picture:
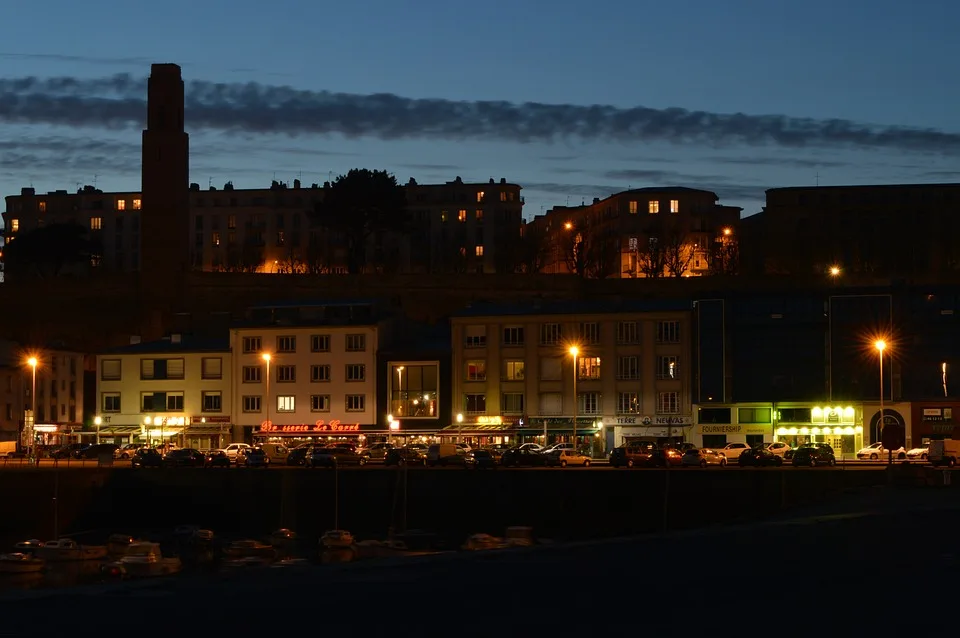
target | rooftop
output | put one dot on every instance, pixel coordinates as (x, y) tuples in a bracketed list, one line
[(175, 343), (864, 187), (538, 307)]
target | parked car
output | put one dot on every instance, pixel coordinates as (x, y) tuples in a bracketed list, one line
[(876, 451), (66, 451), (814, 454), (298, 455), (702, 458), (665, 456), (184, 457), (146, 457), (96, 450), (378, 450), (482, 460), (520, 457), (233, 450), (446, 454), (565, 457), (127, 450), (918, 453), (405, 456), (557, 446), (216, 458), (533, 447), (276, 453), (632, 454), (759, 456), (778, 447), (252, 457), (733, 450), (334, 457)]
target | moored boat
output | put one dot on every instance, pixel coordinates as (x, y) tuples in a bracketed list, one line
[(145, 560), (479, 542), (19, 563), (67, 549), (249, 549), (282, 537), (337, 538), (119, 543), (28, 547)]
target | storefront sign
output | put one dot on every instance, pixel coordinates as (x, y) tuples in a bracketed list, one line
[(197, 420), (672, 420), (721, 429), (319, 426), (489, 420)]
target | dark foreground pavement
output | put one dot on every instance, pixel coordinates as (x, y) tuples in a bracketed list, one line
[(827, 573)]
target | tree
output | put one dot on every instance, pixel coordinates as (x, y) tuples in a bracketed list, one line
[(602, 253), (724, 258), (524, 252), (247, 257), (359, 204), (651, 257), (677, 252), (573, 249), (48, 251)]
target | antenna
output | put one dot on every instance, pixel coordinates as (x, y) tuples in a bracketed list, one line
[(330, 176), (95, 176), (300, 175), (274, 175), (818, 178), (209, 182), (568, 200)]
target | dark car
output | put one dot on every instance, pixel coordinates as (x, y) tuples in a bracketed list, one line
[(95, 451), (632, 455), (252, 457), (662, 457), (184, 457), (378, 450), (482, 459), (814, 454), (405, 456), (334, 457), (298, 455), (67, 451), (217, 458), (515, 457), (758, 457), (146, 457)]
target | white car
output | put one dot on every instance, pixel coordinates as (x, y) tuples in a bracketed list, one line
[(556, 447), (779, 448), (918, 453), (732, 451), (233, 450), (876, 451)]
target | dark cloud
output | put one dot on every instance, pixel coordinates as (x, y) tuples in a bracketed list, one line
[(778, 161), (433, 167), (942, 174), (83, 59), (86, 164), (580, 190), (657, 176), (118, 102)]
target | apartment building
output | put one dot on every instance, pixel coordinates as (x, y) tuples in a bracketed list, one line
[(308, 373), (59, 383), (177, 389), (515, 368), (643, 232)]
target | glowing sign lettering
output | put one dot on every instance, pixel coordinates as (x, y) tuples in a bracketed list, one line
[(319, 426)]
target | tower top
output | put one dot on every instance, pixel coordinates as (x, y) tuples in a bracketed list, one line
[(165, 68), (165, 99)]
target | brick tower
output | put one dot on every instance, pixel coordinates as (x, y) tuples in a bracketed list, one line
[(165, 214)]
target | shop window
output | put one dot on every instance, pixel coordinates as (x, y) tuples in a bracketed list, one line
[(754, 439), (714, 441), (753, 415), (414, 390), (714, 415)]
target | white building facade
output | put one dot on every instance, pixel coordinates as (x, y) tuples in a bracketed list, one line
[(299, 381), (175, 390)]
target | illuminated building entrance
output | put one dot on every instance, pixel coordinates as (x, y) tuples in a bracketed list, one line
[(839, 426)]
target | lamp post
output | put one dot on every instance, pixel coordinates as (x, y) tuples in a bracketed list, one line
[(574, 351), (881, 345), (33, 362), (459, 428), (266, 358), (97, 420), (400, 390)]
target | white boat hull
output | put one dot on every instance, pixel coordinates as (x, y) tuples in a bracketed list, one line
[(58, 554)]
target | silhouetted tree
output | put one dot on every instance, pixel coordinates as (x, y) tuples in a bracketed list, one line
[(359, 204), (724, 258), (677, 251), (573, 249), (247, 257), (48, 251), (602, 253), (651, 257), (524, 252)]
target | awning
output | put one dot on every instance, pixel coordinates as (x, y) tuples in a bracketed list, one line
[(512, 430), (206, 429), (115, 430)]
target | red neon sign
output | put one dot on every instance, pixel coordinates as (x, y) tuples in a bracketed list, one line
[(319, 426)]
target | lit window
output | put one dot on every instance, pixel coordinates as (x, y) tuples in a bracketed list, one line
[(503, 196), (653, 207), (479, 215), (96, 223), (42, 206), (286, 403), (674, 205), (231, 222), (216, 239), (461, 216), (136, 204), (14, 225), (121, 204), (479, 251), (480, 196), (443, 215), (633, 208)]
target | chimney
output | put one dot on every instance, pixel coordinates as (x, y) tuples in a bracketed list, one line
[(134, 340), (27, 191), (176, 338)]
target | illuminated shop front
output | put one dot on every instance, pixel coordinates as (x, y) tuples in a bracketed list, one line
[(839, 426), (628, 429), (934, 420), (331, 431), (743, 423)]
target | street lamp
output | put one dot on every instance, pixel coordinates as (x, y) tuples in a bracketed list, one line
[(33, 362), (834, 271), (266, 358), (881, 345), (574, 351), (400, 389), (459, 428), (97, 421)]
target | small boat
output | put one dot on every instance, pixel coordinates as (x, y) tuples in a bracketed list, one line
[(337, 538), (382, 549), (520, 536), (247, 561), (202, 536), (67, 549), (119, 543), (28, 547), (283, 536), (145, 560), (19, 563), (249, 549), (479, 542)]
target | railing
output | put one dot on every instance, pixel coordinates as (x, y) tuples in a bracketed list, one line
[(23, 462)]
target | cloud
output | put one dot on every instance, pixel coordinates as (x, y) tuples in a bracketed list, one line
[(584, 190), (84, 59), (657, 176), (433, 167), (117, 102), (941, 174), (791, 162)]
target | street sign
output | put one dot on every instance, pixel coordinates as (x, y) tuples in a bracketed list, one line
[(893, 436)]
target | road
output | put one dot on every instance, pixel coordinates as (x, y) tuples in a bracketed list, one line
[(598, 465), (819, 575)]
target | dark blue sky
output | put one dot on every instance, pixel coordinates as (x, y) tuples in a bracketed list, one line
[(876, 63)]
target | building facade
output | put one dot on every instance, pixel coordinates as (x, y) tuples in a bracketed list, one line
[(175, 390), (515, 372), (644, 232)]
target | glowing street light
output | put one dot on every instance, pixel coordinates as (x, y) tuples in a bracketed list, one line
[(881, 345), (459, 428), (97, 421), (834, 271), (574, 352), (266, 358), (33, 362)]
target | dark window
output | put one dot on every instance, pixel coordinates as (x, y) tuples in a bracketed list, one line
[(714, 415)]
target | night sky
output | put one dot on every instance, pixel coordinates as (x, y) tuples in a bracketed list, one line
[(734, 96)]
